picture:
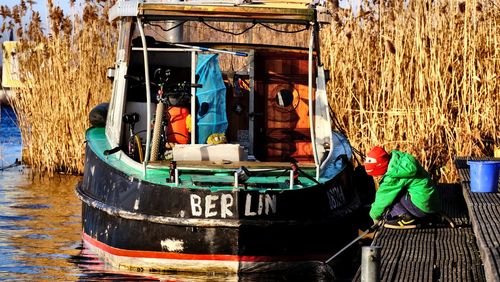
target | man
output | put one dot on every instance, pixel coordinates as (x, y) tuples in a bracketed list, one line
[(405, 189)]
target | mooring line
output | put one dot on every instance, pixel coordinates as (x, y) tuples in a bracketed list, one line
[(371, 229), (16, 163)]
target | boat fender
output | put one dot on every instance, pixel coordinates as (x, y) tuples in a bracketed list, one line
[(98, 114)]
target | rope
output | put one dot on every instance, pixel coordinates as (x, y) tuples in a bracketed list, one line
[(252, 26), (371, 229), (155, 147), (285, 31), (231, 32), (166, 29), (16, 163), (228, 32)]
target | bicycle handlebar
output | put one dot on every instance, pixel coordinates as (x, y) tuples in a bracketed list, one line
[(169, 85)]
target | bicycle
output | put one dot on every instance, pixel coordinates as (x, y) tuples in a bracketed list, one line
[(134, 147), (175, 98), (169, 95)]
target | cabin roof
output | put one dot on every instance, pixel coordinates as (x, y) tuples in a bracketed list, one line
[(270, 11)]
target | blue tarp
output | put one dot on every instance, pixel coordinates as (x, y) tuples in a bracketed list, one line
[(340, 147), (210, 98)]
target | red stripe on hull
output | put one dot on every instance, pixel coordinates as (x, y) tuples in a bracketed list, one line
[(179, 256)]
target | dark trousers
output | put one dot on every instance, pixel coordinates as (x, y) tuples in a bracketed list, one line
[(404, 205)]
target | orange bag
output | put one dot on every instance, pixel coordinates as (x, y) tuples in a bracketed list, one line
[(177, 131)]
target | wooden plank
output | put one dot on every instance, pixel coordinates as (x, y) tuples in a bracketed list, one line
[(263, 12)]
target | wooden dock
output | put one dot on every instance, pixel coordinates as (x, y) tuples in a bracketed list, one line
[(484, 211), (432, 253), (442, 253)]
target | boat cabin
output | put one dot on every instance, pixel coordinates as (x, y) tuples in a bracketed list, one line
[(204, 83)]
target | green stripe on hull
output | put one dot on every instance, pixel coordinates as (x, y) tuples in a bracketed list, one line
[(214, 180)]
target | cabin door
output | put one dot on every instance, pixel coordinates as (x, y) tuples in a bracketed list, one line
[(282, 94), (239, 112)]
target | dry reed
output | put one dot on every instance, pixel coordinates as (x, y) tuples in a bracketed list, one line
[(422, 77), (63, 72)]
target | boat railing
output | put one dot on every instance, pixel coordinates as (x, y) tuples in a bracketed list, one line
[(161, 49), (226, 164), (236, 174)]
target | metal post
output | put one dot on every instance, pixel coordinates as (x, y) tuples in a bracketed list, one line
[(148, 93), (194, 58), (176, 177), (251, 100), (370, 264), (291, 179), (310, 102)]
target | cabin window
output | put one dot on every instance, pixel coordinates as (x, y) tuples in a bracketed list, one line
[(113, 128), (170, 73), (286, 98)]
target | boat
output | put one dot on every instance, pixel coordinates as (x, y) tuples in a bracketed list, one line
[(9, 70), (216, 152)]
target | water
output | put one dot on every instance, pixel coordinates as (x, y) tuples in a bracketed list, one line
[(40, 229), (39, 219), (10, 137)]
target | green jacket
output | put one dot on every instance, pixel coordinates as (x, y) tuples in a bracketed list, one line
[(404, 173)]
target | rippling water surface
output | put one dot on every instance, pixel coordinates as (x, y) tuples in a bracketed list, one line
[(40, 228), (39, 219)]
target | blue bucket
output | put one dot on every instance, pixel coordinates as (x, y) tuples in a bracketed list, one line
[(484, 176)]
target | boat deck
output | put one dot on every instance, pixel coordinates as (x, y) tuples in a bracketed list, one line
[(193, 174)]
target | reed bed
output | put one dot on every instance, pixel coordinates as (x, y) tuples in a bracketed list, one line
[(422, 77), (63, 73)]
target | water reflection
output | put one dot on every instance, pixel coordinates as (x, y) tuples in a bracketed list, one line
[(39, 226)]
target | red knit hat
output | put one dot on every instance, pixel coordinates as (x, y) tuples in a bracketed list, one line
[(377, 161)]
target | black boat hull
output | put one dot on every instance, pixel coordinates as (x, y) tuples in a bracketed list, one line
[(140, 225)]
